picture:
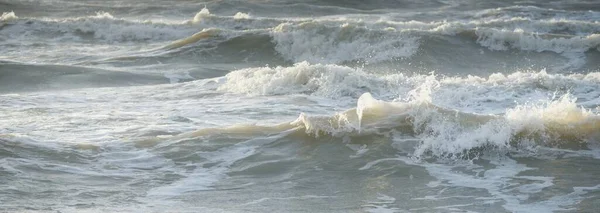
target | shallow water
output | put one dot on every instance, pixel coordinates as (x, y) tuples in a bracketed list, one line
[(299, 106)]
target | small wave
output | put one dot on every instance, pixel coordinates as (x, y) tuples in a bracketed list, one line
[(204, 34), (100, 27), (103, 26), (16, 77), (239, 21), (22, 146)]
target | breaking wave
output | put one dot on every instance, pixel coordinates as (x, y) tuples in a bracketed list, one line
[(449, 133), (450, 117), (336, 81), (441, 132)]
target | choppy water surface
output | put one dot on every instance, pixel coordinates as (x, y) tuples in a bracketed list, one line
[(299, 106)]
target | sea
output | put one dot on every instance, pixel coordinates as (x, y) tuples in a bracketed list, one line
[(299, 106)]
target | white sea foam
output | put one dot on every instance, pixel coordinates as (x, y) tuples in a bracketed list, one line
[(239, 21), (381, 205), (559, 35), (220, 160), (240, 15), (499, 183), (452, 134), (320, 43), (7, 16), (334, 41), (555, 123), (202, 14), (466, 93), (323, 80)]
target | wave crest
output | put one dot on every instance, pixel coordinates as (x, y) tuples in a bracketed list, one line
[(100, 27), (338, 82)]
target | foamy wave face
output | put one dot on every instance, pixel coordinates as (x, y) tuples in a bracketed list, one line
[(319, 43), (528, 29), (303, 78), (490, 93), (453, 134), (558, 123), (439, 111), (502, 90), (334, 40)]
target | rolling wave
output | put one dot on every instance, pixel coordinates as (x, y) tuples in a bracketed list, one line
[(336, 81), (327, 40), (440, 132)]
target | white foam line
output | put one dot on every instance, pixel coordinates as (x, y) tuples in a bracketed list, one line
[(442, 198), (203, 179), (496, 182), (381, 205), (449, 207), (304, 197), (372, 163)]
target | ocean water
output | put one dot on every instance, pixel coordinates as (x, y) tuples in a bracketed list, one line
[(299, 106)]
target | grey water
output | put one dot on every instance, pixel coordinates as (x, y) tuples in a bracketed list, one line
[(299, 106)]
